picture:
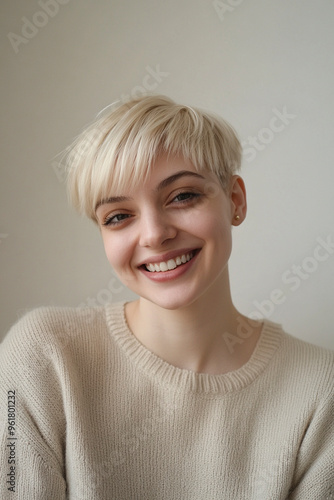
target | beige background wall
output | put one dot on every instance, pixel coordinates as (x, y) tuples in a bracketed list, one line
[(265, 65)]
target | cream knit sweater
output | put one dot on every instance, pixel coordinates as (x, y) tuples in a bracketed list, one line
[(88, 413)]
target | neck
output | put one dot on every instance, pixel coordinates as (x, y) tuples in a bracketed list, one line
[(196, 337)]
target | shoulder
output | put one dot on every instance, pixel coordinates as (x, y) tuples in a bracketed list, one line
[(40, 335), (46, 323), (45, 331), (309, 354), (306, 366)]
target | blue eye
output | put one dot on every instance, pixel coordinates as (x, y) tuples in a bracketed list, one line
[(114, 220)]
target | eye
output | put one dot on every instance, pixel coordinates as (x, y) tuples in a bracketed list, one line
[(114, 220), (186, 197)]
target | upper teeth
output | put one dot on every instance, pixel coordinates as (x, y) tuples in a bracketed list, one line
[(170, 264)]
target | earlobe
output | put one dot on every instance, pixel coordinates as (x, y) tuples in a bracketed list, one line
[(238, 200)]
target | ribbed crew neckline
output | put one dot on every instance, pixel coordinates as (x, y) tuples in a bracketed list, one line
[(187, 380)]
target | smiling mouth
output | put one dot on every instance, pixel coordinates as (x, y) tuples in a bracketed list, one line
[(169, 265)]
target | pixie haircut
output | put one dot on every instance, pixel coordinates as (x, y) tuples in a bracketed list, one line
[(117, 151)]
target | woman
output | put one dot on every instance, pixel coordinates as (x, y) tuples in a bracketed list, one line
[(175, 395)]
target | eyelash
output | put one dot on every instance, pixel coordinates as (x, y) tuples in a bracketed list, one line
[(109, 221), (190, 198)]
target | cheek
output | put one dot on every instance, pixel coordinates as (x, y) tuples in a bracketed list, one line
[(217, 233), (212, 226), (117, 251)]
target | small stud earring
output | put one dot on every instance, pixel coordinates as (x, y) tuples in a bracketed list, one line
[(237, 217)]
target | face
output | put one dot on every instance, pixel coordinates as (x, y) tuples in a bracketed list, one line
[(169, 240)]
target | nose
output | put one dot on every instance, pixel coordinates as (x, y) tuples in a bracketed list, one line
[(155, 229)]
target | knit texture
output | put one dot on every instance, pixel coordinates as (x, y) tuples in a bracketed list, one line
[(99, 417)]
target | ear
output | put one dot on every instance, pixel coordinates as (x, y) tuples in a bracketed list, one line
[(238, 200)]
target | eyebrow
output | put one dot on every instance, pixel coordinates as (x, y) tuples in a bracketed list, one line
[(113, 199), (162, 185), (175, 177)]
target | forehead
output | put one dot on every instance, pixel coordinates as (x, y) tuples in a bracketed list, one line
[(163, 172)]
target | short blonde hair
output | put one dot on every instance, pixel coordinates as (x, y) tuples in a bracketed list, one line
[(117, 151)]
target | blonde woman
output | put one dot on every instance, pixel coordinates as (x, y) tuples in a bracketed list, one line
[(176, 395)]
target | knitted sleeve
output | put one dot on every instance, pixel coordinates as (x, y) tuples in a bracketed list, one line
[(32, 420), (314, 477)]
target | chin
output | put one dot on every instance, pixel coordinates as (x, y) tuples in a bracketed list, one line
[(174, 302)]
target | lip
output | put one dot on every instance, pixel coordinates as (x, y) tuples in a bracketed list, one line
[(166, 256), (173, 273)]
